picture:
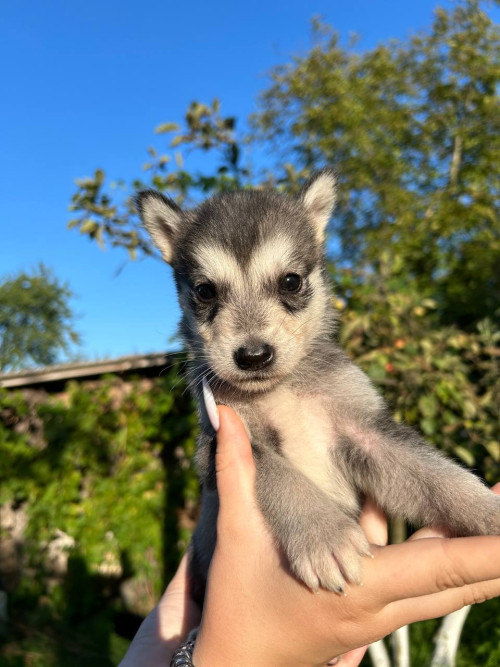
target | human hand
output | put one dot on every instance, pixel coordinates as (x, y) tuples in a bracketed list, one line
[(252, 599), (256, 612), (166, 627), (176, 614)]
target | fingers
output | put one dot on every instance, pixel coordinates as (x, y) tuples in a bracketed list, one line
[(234, 466), (176, 612), (352, 658), (440, 604), (180, 581), (427, 566), (429, 531), (374, 523)]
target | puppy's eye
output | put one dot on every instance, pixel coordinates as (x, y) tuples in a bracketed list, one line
[(206, 292), (291, 283)]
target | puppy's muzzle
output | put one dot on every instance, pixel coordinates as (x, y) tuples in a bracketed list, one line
[(254, 357)]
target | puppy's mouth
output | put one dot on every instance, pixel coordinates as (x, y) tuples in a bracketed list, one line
[(252, 381), (256, 384), (258, 377)]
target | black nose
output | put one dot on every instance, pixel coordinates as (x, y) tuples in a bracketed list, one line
[(254, 357)]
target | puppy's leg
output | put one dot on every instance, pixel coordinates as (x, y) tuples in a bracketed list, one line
[(205, 534), (203, 545), (320, 537), (411, 479)]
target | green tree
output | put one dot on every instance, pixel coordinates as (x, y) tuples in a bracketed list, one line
[(104, 215), (36, 321)]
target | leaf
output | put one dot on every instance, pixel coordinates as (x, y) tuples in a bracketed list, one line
[(166, 127), (493, 449), (464, 454), (470, 409), (88, 227), (428, 405), (428, 425)]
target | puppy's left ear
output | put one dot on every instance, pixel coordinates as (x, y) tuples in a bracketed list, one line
[(318, 196)]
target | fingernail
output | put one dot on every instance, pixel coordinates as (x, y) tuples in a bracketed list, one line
[(335, 661), (210, 405)]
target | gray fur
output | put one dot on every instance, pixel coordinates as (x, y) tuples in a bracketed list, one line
[(321, 435)]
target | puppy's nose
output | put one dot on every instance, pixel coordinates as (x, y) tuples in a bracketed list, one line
[(254, 357)]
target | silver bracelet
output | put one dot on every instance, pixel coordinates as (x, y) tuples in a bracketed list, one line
[(183, 656)]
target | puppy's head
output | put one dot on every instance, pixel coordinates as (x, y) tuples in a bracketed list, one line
[(249, 268)]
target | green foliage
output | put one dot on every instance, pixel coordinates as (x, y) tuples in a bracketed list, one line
[(442, 380), (109, 464), (35, 319), (107, 220)]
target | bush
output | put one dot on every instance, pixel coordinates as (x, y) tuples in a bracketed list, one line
[(105, 468)]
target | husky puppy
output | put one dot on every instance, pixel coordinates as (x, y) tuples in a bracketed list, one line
[(258, 320)]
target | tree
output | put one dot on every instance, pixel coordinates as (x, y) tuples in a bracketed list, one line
[(35, 320)]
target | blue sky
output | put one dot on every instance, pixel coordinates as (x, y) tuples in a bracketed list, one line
[(85, 84)]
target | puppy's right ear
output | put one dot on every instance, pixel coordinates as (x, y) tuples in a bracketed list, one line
[(162, 218)]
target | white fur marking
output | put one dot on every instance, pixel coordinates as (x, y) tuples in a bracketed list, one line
[(219, 265), (271, 257), (306, 432)]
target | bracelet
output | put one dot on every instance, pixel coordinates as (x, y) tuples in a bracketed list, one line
[(183, 656)]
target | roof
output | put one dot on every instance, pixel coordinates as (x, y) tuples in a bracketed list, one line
[(150, 364)]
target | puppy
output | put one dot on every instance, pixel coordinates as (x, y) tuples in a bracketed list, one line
[(258, 321)]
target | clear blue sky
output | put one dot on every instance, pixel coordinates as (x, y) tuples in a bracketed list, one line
[(85, 83)]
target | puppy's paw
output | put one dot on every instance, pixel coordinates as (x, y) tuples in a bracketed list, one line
[(330, 556)]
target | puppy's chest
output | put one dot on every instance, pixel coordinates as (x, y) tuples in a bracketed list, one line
[(301, 430)]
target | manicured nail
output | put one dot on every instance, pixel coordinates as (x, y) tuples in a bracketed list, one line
[(210, 405)]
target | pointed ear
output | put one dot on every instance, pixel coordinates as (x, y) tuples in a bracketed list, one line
[(318, 196), (162, 218)]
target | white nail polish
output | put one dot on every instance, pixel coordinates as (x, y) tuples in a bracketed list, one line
[(210, 405)]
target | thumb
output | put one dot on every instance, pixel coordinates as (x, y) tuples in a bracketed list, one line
[(234, 466)]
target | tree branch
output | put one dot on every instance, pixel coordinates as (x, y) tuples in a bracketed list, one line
[(400, 642), (448, 638), (456, 159), (379, 654)]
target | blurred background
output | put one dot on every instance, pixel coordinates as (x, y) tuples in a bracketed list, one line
[(97, 492)]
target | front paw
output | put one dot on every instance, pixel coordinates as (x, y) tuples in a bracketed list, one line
[(328, 556)]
